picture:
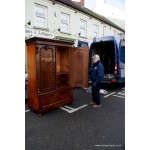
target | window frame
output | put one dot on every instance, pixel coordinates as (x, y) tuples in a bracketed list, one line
[(66, 22), (95, 26), (37, 6), (83, 27)]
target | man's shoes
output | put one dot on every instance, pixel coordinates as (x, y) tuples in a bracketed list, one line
[(95, 106), (92, 103)]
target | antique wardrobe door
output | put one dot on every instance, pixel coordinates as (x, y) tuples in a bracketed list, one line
[(46, 68), (79, 66)]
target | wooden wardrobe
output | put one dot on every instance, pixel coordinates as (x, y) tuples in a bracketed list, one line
[(54, 68)]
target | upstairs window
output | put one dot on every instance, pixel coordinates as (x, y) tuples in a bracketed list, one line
[(95, 30), (83, 25), (64, 22), (40, 16)]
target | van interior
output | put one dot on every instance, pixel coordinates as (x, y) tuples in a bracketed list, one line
[(106, 51)]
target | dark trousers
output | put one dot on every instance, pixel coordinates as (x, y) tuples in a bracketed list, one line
[(96, 94)]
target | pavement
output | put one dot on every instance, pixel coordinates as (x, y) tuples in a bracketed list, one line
[(79, 126)]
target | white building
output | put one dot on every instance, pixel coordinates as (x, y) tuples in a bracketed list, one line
[(66, 20)]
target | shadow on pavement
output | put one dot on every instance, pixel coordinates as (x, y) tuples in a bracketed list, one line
[(112, 86)]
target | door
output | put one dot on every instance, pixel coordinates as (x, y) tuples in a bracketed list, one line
[(122, 60), (46, 68), (79, 61)]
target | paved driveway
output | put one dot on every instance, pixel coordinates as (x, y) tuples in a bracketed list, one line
[(78, 126)]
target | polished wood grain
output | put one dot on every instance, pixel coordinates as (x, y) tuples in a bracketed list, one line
[(48, 74), (79, 66)]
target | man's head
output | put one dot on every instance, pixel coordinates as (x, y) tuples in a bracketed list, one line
[(96, 58)]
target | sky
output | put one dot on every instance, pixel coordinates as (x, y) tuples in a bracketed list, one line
[(89, 3), (115, 3), (108, 8)]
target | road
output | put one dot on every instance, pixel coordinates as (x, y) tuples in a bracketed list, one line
[(79, 126)]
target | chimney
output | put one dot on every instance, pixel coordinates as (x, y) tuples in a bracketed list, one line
[(81, 2)]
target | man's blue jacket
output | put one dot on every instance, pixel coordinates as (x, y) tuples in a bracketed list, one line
[(97, 72)]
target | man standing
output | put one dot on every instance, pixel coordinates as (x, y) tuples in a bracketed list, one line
[(97, 75)]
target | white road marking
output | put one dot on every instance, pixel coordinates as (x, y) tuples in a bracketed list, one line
[(71, 110), (108, 145), (81, 107), (27, 110), (109, 94), (121, 93), (119, 96), (68, 107)]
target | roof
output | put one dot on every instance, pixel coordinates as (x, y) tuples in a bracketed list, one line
[(119, 22), (88, 12)]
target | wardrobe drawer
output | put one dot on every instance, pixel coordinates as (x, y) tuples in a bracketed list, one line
[(64, 94), (56, 97), (48, 99)]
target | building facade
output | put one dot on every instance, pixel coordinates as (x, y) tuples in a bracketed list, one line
[(66, 20)]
